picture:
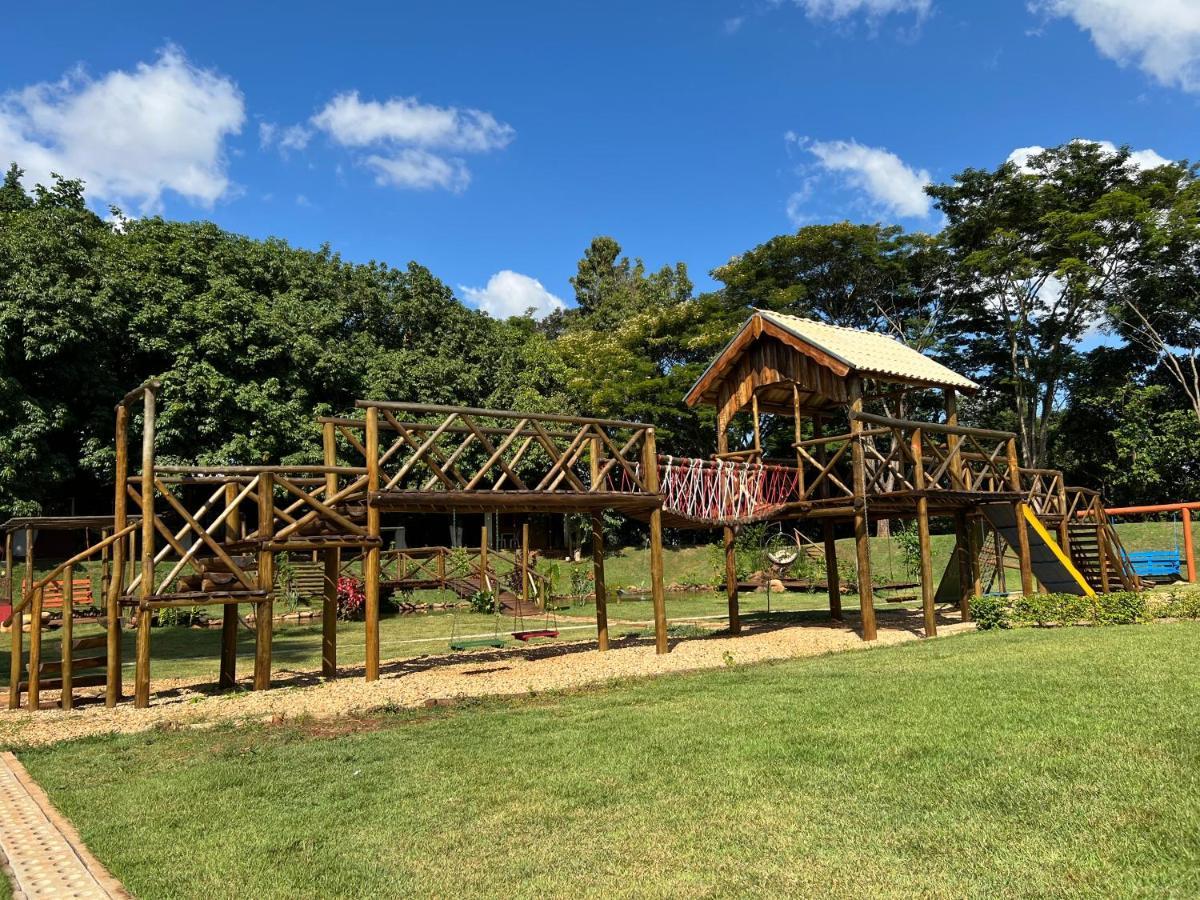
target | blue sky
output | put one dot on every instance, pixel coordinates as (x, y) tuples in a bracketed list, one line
[(492, 141)]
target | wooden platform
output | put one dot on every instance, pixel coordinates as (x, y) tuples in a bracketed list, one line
[(513, 501)]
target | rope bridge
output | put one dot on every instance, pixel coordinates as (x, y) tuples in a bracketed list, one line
[(720, 492)]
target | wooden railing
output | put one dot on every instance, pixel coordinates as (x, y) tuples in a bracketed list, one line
[(903, 455), (424, 448)]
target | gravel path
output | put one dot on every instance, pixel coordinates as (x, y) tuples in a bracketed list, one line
[(413, 682)]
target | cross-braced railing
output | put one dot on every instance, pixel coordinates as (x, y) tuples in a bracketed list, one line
[(903, 455), (424, 448)]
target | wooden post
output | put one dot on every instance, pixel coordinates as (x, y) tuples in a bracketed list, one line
[(927, 593), (798, 422), (1101, 545), (68, 628), (264, 609), (1064, 524), (524, 564), (601, 588), (968, 564), (18, 651), (833, 578), (484, 581), (953, 440), (731, 581), (371, 562), (650, 476), (1189, 556), (141, 697), (754, 412), (598, 576), (35, 649), (332, 560), (1014, 479), (229, 618), (329, 612), (862, 545), (112, 688)]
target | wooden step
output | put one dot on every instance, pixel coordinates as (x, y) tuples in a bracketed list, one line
[(90, 643), (54, 666), (55, 684)]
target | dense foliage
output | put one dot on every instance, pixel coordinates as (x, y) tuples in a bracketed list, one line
[(252, 338)]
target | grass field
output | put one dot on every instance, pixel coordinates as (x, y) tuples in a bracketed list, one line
[(1032, 763)]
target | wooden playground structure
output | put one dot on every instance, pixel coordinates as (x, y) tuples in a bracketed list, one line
[(186, 536)]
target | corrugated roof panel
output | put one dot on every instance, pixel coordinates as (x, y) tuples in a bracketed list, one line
[(871, 352)]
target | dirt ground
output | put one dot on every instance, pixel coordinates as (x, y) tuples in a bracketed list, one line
[(414, 682)]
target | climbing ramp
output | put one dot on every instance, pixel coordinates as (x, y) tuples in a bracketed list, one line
[(1050, 565)]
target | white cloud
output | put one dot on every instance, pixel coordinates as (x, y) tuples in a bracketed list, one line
[(419, 169), (405, 133), (881, 175), (873, 10), (404, 120), (1161, 37), (132, 135), (1139, 159), (510, 293)]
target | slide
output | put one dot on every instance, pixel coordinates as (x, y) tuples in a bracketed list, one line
[(1050, 565)]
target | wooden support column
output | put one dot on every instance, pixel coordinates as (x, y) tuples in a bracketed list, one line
[(229, 618), (730, 537), (525, 562), (332, 560), (264, 610), (332, 563), (798, 422), (731, 581), (601, 589), (923, 543), (833, 579), (650, 478), (598, 576), (862, 545), (1064, 524), (116, 586), (1189, 555), (968, 564), (1101, 545), (953, 440), (68, 629), (141, 696), (754, 412), (17, 651), (1014, 479), (371, 562), (35, 649)]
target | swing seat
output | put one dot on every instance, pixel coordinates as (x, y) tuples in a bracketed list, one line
[(476, 643), (535, 633)]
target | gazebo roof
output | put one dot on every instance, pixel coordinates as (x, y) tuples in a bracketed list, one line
[(843, 351)]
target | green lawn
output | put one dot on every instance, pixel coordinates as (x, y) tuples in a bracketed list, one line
[(1031, 763)]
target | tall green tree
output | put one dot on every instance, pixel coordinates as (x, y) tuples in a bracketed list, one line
[(1036, 252)]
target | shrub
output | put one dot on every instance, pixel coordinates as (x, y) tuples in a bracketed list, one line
[(351, 601), (990, 613), (483, 602), (1121, 608), (1176, 604), (1038, 609)]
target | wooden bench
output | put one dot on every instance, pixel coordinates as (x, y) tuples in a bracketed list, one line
[(52, 598)]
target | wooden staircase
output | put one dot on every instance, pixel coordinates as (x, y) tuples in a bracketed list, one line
[(1086, 542), (81, 662)]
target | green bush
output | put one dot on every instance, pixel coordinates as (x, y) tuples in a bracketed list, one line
[(1121, 608), (990, 613), (1177, 604), (483, 602)]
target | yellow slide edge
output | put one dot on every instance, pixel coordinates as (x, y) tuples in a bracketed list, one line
[(1057, 550)]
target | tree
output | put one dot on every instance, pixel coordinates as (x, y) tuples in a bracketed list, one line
[(1036, 251), (1157, 305)]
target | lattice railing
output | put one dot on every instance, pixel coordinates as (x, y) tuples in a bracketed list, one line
[(424, 448)]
